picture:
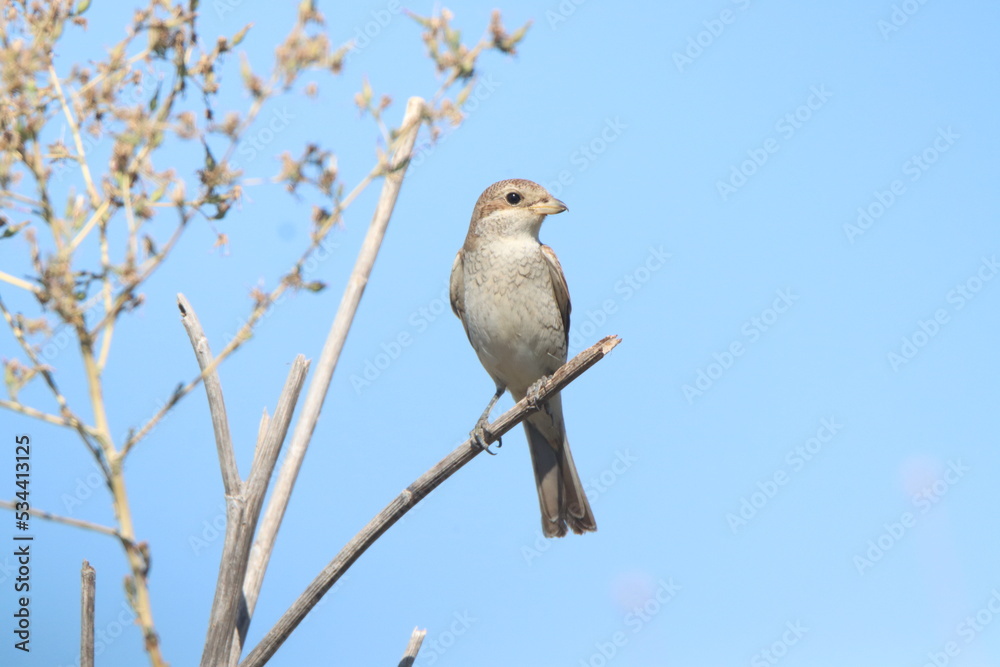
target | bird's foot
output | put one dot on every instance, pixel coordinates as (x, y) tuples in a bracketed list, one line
[(534, 390), (479, 435)]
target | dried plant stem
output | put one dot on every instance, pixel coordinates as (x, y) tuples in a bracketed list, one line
[(95, 258), (413, 647), (96, 217), (327, 363), (231, 483), (88, 581), (138, 588), (69, 521), (87, 434), (243, 500), (242, 514), (18, 282), (405, 501), (29, 411), (245, 331), (81, 154)]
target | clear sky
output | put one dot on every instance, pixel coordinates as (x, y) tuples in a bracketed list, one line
[(787, 210)]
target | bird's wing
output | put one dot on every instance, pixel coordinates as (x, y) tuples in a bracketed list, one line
[(558, 286), (456, 289)]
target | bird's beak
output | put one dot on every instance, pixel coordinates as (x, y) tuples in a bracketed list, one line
[(549, 206)]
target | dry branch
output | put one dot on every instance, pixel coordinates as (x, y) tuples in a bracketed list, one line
[(316, 394), (69, 521), (413, 494), (242, 514), (416, 639), (216, 403), (88, 580)]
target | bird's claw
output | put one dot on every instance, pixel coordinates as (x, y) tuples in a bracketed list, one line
[(478, 436), (534, 390)]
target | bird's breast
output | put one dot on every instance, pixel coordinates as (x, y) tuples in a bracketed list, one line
[(511, 312)]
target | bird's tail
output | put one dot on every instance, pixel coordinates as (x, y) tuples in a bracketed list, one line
[(560, 492)]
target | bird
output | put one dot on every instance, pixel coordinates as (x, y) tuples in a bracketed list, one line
[(510, 293)]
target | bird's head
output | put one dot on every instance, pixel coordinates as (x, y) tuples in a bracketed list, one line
[(512, 208)]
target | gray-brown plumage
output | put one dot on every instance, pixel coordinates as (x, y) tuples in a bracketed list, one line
[(510, 293)]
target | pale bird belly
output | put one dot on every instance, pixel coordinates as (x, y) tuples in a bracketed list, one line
[(514, 324)]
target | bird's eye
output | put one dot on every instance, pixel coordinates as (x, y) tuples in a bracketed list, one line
[(513, 198)]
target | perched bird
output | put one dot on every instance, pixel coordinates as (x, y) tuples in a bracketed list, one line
[(510, 293)]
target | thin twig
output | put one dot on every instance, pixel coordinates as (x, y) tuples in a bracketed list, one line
[(88, 579), (413, 494), (87, 433), (95, 217), (306, 424), (57, 518), (142, 274), (31, 204), (88, 180), (27, 410), (102, 75), (108, 272), (241, 336), (18, 282), (412, 648), (137, 588), (132, 247), (137, 556), (244, 334)]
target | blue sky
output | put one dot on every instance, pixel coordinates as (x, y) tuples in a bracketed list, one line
[(788, 213)]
